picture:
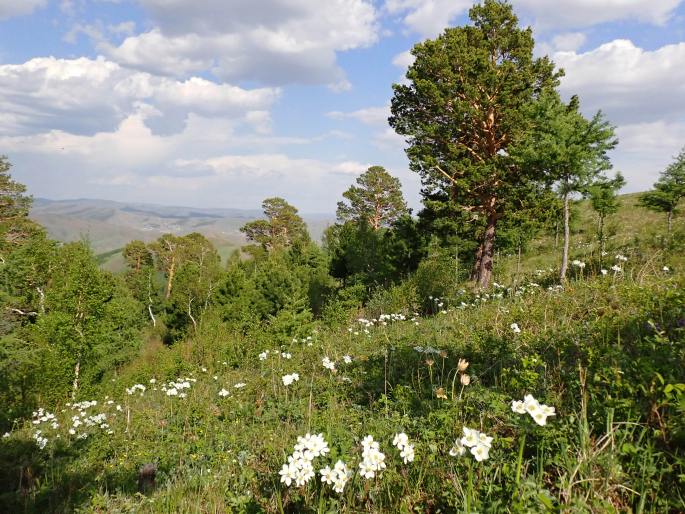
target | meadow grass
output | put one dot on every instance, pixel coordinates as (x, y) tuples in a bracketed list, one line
[(606, 351)]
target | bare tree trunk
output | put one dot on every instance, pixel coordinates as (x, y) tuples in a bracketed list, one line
[(149, 299), (41, 302), (77, 370), (190, 314), (601, 237), (670, 222), (556, 234), (485, 274), (170, 279), (567, 237)]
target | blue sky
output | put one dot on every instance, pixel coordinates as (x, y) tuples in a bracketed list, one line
[(221, 103)]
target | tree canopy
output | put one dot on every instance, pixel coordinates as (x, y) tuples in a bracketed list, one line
[(282, 227), (669, 189), (376, 200), (466, 105)]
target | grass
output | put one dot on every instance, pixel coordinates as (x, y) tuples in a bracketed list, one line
[(608, 352)]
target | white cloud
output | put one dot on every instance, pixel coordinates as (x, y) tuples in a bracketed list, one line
[(10, 8), (568, 41), (404, 60), (85, 96), (271, 42), (585, 13), (212, 161), (368, 115), (645, 149), (642, 92), (630, 84), (269, 165), (427, 17), (430, 17)]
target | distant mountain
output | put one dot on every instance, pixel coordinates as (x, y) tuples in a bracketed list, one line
[(109, 225)]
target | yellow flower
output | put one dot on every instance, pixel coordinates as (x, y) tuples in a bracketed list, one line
[(462, 365), (465, 380), (440, 393)]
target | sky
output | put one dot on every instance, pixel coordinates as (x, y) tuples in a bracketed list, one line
[(222, 103)]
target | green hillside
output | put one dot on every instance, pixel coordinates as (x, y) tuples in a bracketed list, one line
[(214, 417)]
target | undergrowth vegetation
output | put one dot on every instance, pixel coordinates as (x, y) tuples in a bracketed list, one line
[(518, 345), (607, 352)]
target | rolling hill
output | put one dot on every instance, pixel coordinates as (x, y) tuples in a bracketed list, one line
[(109, 225)]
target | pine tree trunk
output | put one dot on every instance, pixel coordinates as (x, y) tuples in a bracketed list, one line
[(567, 237), (475, 272), (670, 222), (601, 237), (485, 273)]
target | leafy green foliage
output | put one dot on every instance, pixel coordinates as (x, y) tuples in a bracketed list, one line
[(466, 106), (282, 227), (376, 200), (668, 190)]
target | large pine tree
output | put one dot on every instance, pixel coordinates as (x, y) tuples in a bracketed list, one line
[(465, 106)]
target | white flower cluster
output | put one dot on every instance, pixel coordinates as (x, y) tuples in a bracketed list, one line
[(134, 388), (239, 385), (478, 442), (616, 268), (299, 468), (82, 406), (373, 460), (289, 379), (539, 412), (176, 388), (40, 440), (223, 393), (337, 477), (457, 449), (88, 421), (578, 264), (621, 258), (43, 416), (384, 318), (515, 328), (307, 340), (265, 354), (401, 442), (328, 364), (347, 359)]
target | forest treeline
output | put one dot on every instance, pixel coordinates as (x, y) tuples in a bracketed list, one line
[(502, 159)]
